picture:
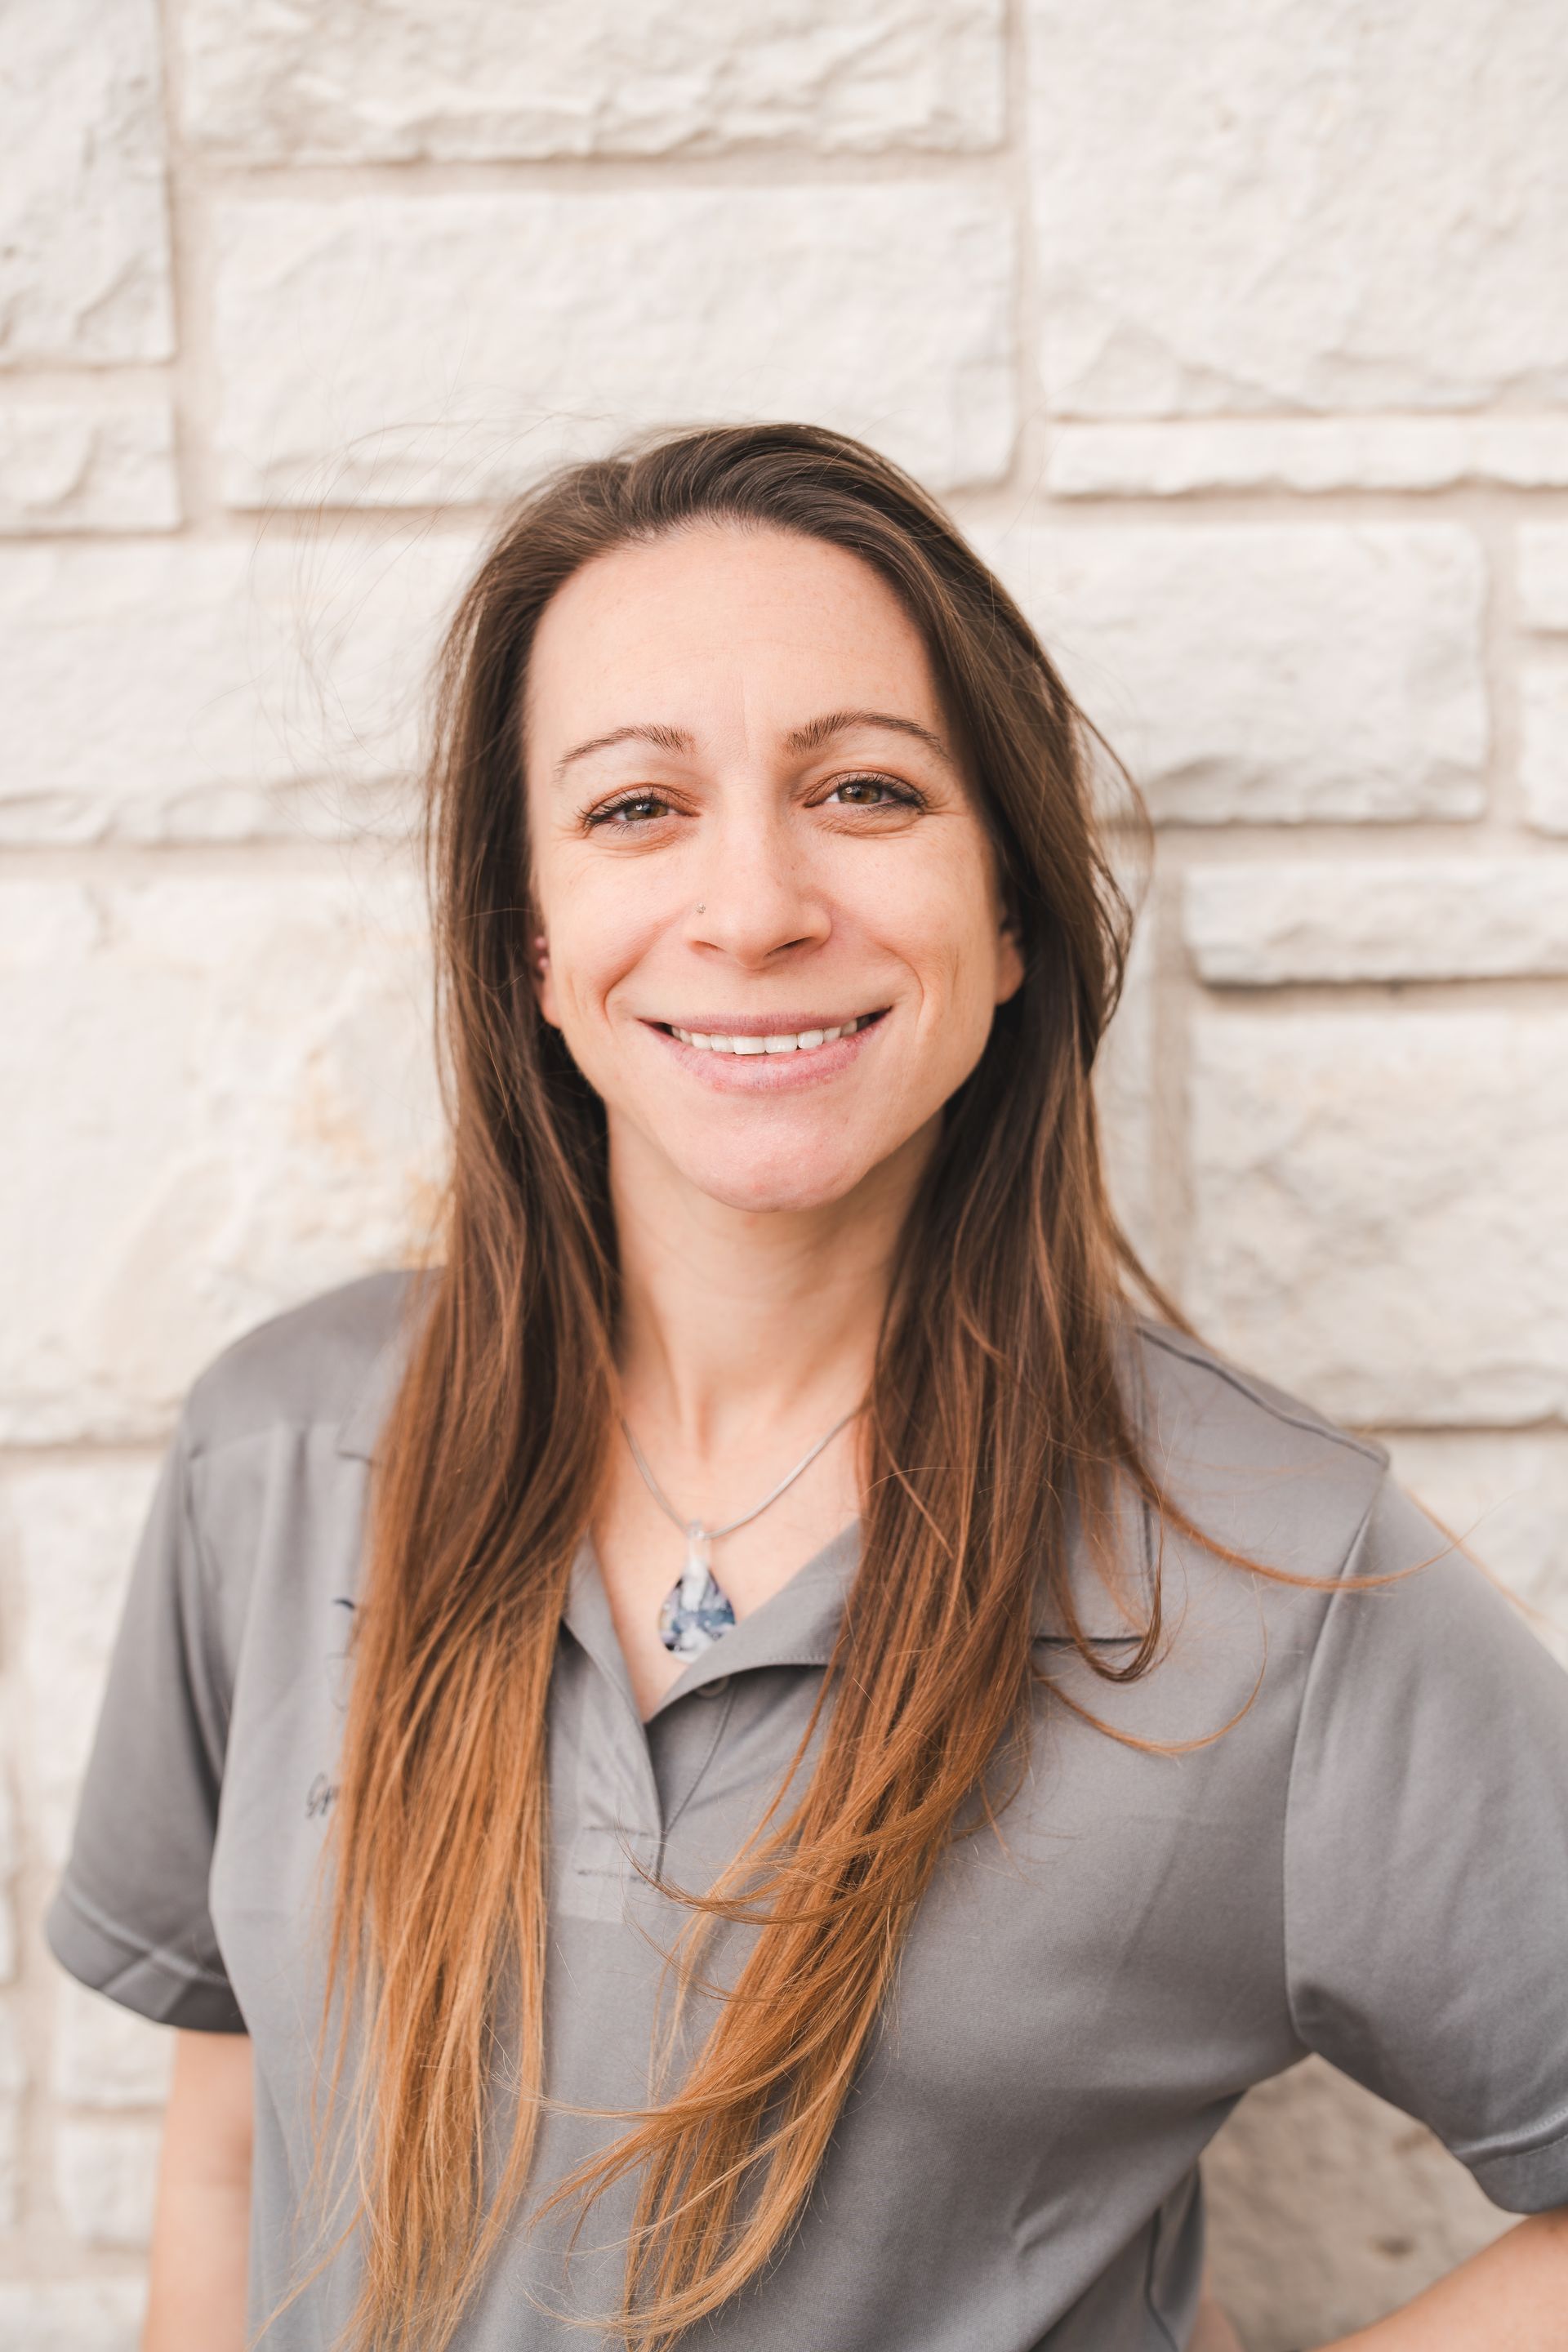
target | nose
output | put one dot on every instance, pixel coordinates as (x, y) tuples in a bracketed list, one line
[(754, 899)]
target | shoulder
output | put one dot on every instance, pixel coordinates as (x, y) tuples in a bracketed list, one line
[(328, 1363), (1257, 1469)]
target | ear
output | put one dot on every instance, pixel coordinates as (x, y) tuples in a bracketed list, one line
[(1009, 958), (544, 985)]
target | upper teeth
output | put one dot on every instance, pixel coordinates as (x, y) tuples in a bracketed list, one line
[(797, 1041)]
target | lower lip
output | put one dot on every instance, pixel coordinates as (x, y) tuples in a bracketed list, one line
[(771, 1074)]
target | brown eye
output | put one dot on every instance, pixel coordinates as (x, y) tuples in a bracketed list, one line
[(638, 808), (870, 792)]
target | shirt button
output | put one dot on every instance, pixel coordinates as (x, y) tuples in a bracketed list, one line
[(715, 1689)]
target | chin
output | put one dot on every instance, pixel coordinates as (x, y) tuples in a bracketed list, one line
[(775, 1182)]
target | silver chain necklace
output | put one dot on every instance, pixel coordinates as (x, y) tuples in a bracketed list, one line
[(697, 1609)]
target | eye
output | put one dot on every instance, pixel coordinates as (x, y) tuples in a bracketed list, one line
[(631, 809), (872, 791)]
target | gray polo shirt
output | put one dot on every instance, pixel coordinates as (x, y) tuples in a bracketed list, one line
[(1372, 1862)]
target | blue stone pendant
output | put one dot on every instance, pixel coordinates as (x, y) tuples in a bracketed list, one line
[(697, 1609)]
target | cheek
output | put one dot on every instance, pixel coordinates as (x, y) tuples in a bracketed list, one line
[(943, 919), (597, 931)]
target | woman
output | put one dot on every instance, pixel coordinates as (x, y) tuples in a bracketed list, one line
[(849, 1748)]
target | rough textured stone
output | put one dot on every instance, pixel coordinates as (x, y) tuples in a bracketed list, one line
[(70, 1534), (1247, 205), (1543, 576), (1257, 926), (106, 2057), (66, 466), (105, 2176), (238, 689), (100, 2316), (1505, 1495), (1277, 675), (331, 79), (1328, 2209), (1378, 1208), (1315, 453), (253, 1123), (1543, 752), (399, 351), (1125, 1095), (84, 245)]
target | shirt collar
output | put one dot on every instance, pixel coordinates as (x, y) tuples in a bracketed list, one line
[(360, 1429), (798, 1625)]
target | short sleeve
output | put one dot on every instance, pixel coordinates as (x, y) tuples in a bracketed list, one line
[(1426, 1857), (130, 1918)]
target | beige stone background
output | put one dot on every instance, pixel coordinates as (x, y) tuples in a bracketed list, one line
[(1236, 331)]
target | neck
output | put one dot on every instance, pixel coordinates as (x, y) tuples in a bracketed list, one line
[(734, 1322)]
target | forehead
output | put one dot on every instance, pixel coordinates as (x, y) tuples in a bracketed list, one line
[(726, 619)]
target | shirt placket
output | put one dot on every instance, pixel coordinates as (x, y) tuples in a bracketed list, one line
[(616, 1827)]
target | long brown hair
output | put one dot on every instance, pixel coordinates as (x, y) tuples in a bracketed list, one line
[(995, 1400)]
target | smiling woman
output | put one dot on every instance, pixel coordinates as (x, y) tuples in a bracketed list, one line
[(862, 1736)]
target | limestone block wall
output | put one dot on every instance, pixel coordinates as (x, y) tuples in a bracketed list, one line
[(1235, 334)]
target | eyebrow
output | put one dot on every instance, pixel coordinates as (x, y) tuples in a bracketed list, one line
[(809, 738), (818, 731), (664, 739)]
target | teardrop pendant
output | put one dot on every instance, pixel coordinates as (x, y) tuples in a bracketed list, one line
[(697, 1609)]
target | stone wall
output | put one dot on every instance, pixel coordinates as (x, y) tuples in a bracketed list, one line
[(1234, 331)]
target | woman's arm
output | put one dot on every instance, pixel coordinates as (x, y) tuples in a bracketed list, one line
[(1514, 2291), (201, 2231)]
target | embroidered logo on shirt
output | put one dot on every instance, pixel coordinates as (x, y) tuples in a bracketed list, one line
[(319, 1796)]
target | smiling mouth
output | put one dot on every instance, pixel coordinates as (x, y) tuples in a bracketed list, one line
[(780, 1041)]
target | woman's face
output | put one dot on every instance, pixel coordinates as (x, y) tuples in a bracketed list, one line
[(772, 933)]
